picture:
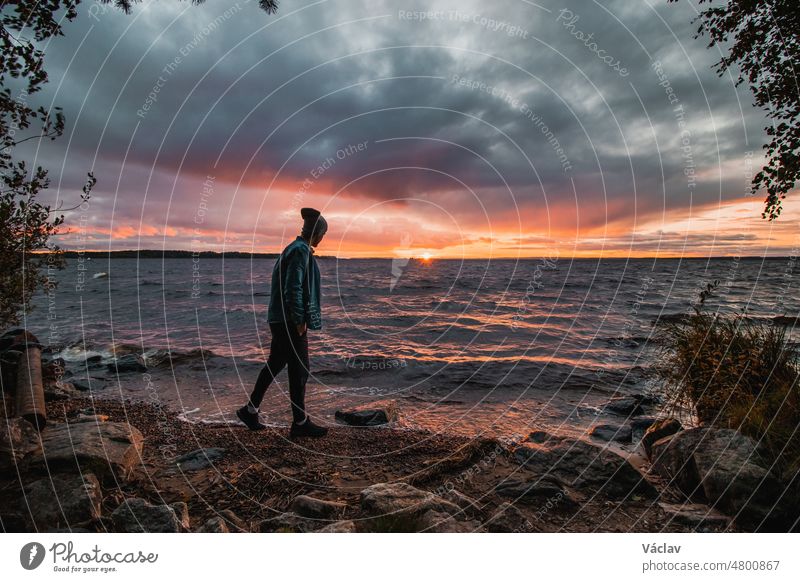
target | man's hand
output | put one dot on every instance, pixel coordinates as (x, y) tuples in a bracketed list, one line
[(301, 329)]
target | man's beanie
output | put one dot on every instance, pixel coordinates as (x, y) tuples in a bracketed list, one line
[(313, 223)]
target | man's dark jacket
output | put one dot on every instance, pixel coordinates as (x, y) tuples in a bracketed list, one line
[(295, 293)]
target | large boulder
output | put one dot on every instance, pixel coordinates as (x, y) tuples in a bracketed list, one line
[(584, 466), (61, 501), (137, 515), (18, 438), (110, 450), (724, 468)]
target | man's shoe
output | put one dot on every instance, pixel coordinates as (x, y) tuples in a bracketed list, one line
[(250, 419), (307, 429)]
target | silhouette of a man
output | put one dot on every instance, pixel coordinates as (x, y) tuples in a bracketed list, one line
[(294, 308)]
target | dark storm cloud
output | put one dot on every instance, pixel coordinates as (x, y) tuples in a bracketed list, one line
[(162, 98)]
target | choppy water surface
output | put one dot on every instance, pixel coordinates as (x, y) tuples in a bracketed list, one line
[(472, 346)]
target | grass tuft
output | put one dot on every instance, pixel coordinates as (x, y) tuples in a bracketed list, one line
[(734, 372)]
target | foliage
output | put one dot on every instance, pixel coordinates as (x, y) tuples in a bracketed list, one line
[(762, 39), (735, 372)]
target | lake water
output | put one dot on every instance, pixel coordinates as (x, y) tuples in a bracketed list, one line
[(471, 347)]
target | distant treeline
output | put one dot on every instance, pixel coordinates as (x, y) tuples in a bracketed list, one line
[(167, 254), (180, 254)]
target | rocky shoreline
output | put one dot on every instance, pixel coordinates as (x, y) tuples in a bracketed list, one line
[(132, 466), (113, 465)]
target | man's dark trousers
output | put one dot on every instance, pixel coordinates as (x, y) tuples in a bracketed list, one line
[(287, 347)]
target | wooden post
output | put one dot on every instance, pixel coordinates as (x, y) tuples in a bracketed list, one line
[(8, 372), (30, 389)]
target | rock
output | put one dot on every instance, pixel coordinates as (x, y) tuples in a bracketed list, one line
[(399, 507), (466, 503), (54, 369), (367, 416), (233, 521), (724, 468), (306, 506), (14, 522), (612, 432), (626, 406), (539, 491), (509, 519), (699, 517), (583, 465), (94, 362), (640, 425), (81, 386), (657, 431), (538, 436), (18, 438), (390, 498), (290, 522), (93, 418), (199, 459), (110, 450), (440, 522), (127, 364), (64, 500), (182, 511), (224, 522), (137, 515), (346, 526), (57, 391), (69, 530), (214, 525)]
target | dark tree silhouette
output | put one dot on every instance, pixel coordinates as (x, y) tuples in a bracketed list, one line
[(27, 226), (762, 39)]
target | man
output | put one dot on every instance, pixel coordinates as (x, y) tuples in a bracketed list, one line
[(294, 308)]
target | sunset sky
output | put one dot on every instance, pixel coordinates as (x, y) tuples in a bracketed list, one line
[(476, 129)]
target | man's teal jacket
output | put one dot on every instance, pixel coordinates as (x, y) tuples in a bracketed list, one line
[(295, 292)]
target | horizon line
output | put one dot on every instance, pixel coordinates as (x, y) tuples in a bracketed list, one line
[(420, 258)]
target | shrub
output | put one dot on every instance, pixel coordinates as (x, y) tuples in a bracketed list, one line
[(734, 372)]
